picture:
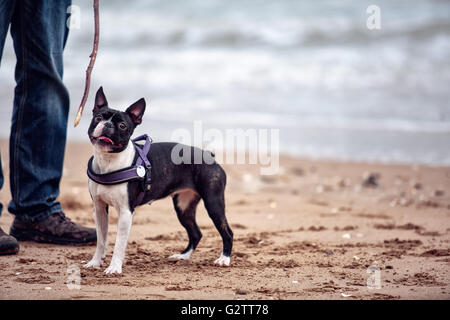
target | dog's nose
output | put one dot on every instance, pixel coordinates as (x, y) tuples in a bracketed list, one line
[(108, 125)]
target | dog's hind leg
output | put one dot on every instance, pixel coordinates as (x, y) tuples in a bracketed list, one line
[(185, 202), (212, 185), (215, 205), (212, 182), (101, 222)]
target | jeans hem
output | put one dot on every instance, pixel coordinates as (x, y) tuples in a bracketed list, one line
[(40, 216)]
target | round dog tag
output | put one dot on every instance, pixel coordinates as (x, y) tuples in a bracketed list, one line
[(140, 171)]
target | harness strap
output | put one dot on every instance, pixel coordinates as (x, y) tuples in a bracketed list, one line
[(145, 186), (144, 151), (114, 177)]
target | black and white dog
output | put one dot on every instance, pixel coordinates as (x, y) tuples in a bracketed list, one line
[(110, 132)]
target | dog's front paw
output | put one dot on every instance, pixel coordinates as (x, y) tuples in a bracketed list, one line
[(94, 263), (223, 261), (114, 268)]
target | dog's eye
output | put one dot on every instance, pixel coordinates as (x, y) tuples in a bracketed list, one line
[(122, 126), (98, 118)]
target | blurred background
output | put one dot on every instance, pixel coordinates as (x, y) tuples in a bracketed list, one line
[(334, 88)]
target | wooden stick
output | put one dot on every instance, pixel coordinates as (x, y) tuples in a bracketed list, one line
[(91, 64)]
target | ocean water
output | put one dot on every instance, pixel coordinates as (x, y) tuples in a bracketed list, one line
[(312, 69)]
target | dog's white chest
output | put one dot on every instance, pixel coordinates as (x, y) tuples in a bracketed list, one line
[(116, 195), (113, 195)]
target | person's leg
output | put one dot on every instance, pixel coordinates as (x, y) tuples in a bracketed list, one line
[(8, 244), (6, 10), (39, 124), (41, 106), (1, 182)]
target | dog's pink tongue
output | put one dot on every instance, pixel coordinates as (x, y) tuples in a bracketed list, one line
[(105, 139)]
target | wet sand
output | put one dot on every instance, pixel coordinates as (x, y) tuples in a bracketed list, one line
[(316, 231)]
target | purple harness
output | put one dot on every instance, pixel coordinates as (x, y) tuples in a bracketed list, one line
[(141, 170)]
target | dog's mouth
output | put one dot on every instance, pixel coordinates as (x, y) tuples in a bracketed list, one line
[(106, 144), (105, 139), (102, 139)]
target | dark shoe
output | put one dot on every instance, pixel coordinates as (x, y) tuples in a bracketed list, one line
[(8, 244), (57, 229)]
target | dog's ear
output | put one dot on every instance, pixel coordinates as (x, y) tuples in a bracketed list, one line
[(136, 111), (100, 100)]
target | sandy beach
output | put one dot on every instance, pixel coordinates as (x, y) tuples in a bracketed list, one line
[(316, 231)]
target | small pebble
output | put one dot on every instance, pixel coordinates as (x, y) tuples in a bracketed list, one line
[(319, 189), (346, 295)]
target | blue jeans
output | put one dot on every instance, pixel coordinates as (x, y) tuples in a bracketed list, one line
[(41, 104)]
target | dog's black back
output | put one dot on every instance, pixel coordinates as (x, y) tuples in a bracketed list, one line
[(168, 177)]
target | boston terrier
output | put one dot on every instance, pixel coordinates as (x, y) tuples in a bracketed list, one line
[(187, 183)]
